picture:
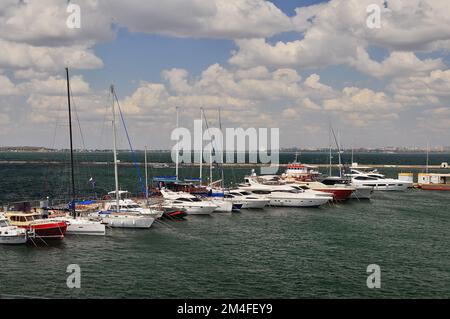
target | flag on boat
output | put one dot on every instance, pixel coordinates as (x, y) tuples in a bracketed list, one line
[(92, 181)]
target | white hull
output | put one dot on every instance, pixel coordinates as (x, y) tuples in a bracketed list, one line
[(128, 221), (11, 235), (92, 228), (298, 202), (222, 206), (384, 185), (13, 240), (255, 204), (81, 226), (198, 210)]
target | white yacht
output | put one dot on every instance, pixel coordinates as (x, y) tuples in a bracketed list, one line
[(11, 235), (366, 176), (286, 195), (191, 204), (81, 225), (361, 192), (248, 200), (126, 204)]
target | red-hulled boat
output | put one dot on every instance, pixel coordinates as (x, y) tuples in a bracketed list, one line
[(41, 228)]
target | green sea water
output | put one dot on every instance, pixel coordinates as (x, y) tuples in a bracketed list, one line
[(271, 253)]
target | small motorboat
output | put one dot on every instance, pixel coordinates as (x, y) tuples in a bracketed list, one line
[(46, 229), (11, 235)]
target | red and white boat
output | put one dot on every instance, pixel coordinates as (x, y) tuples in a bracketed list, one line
[(307, 175), (301, 172), (340, 193), (41, 228)]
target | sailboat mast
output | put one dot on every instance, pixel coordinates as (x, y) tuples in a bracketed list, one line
[(428, 150), (329, 173), (72, 202), (329, 141), (146, 175), (116, 173), (339, 150), (210, 166), (222, 183), (201, 144), (178, 151)]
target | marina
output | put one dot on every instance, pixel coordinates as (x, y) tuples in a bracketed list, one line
[(237, 157)]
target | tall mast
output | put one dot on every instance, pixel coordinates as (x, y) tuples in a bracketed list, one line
[(329, 140), (329, 173), (178, 151), (201, 144), (352, 154), (222, 183), (210, 165), (428, 150), (72, 202), (339, 150), (146, 175), (116, 174)]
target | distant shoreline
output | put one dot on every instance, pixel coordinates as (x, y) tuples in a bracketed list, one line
[(238, 165)]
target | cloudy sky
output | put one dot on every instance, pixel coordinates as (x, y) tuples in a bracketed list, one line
[(297, 65)]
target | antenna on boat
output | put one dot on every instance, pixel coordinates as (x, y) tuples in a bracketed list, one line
[(72, 202), (116, 175)]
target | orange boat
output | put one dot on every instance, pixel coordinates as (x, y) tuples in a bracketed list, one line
[(434, 181)]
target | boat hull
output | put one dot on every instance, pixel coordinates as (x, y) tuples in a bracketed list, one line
[(435, 187), (89, 229), (298, 202), (387, 186), (50, 231), (338, 194), (128, 222), (13, 240)]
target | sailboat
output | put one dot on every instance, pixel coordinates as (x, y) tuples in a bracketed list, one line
[(119, 215), (76, 225), (216, 194)]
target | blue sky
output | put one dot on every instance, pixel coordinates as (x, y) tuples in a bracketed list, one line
[(262, 62)]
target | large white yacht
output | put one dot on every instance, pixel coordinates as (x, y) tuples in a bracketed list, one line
[(191, 204), (367, 176), (247, 199), (286, 195)]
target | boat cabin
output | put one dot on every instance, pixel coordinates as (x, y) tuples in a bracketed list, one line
[(434, 178)]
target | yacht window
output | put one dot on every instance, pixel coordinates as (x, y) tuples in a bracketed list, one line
[(3, 223), (184, 199)]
